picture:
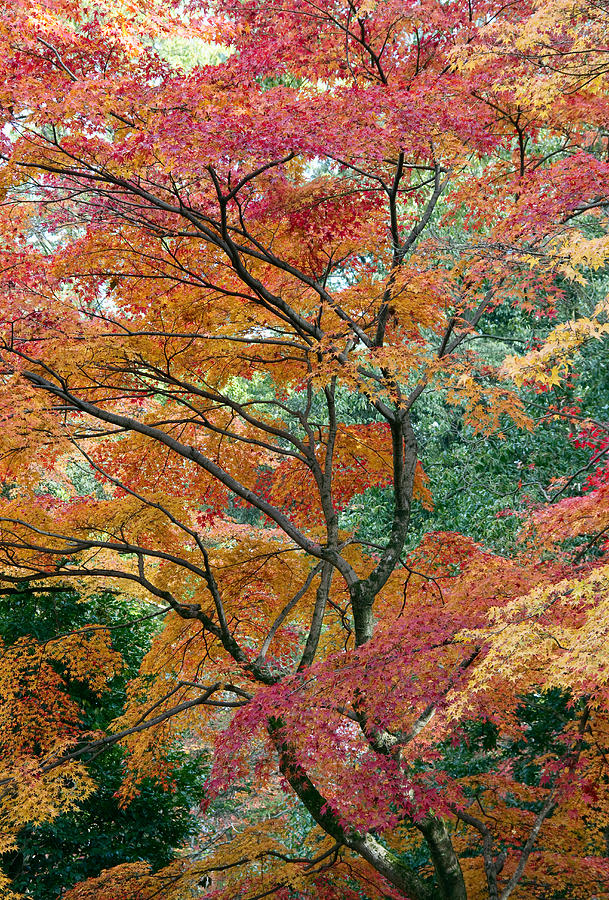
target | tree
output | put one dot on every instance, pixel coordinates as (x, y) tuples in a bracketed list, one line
[(225, 291), (97, 834)]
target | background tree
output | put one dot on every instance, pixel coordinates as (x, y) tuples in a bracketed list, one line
[(203, 272)]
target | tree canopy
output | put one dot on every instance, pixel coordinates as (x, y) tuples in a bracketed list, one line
[(263, 270)]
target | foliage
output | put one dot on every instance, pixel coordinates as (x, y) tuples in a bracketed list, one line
[(259, 310), (52, 856)]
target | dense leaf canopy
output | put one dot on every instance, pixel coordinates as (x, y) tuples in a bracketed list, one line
[(263, 270)]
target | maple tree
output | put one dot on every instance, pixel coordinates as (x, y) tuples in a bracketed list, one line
[(53, 855), (225, 289)]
